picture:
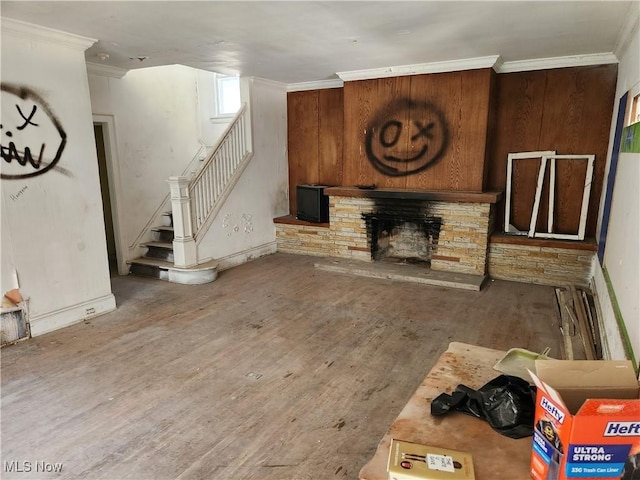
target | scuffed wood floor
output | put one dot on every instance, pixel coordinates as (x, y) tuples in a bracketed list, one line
[(274, 371)]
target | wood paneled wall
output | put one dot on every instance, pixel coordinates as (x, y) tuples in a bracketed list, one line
[(334, 133), (446, 112), (568, 110), (315, 135)]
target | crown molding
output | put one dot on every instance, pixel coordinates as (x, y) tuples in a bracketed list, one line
[(316, 85), (105, 70), (629, 29), (495, 61), (266, 81), (557, 62), (421, 68), (30, 31)]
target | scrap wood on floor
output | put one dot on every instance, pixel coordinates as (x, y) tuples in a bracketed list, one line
[(579, 324)]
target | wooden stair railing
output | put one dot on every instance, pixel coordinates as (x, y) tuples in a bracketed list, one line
[(196, 201)]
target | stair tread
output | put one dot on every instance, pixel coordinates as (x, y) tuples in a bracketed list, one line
[(154, 262), (163, 227), (157, 262), (158, 245)]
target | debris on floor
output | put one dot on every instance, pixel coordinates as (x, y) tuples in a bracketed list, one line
[(579, 327)]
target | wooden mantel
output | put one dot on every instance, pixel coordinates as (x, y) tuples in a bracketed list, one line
[(434, 195)]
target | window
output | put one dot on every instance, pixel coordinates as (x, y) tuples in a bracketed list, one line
[(227, 95), (630, 140), (634, 106), (635, 110)]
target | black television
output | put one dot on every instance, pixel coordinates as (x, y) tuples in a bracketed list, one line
[(313, 204)]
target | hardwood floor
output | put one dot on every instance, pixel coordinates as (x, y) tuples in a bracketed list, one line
[(276, 370)]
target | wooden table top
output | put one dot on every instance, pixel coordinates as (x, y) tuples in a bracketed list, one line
[(495, 457)]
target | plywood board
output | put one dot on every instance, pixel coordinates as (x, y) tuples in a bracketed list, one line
[(470, 365)]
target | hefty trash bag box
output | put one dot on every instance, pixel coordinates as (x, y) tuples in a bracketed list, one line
[(587, 420)]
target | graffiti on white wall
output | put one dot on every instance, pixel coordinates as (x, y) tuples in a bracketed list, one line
[(31, 136), (16, 196)]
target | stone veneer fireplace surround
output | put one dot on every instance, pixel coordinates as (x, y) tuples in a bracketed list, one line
[(466, 222), (462, 242)]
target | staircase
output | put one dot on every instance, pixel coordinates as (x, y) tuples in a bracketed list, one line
[(158, 261), (172, 252)]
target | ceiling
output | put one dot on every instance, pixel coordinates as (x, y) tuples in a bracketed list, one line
[(293, 42)]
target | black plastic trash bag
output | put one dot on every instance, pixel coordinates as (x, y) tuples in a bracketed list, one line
[(507, 403)]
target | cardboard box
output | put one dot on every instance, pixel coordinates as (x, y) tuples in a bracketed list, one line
[(587, 420), (412, 461)]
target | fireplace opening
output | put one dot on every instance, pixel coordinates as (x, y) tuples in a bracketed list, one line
[(402, 231)]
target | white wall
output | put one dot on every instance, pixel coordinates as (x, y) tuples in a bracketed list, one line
[(622, 252), (53, 233), (244, 227), (160, 114), (209, 128), (161, 117)]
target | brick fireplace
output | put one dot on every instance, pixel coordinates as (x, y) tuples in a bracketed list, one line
[(455, 227)]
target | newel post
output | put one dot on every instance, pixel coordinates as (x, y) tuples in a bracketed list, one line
[(184, 245)]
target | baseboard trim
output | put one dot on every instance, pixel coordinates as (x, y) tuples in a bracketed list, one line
[(48, 322), (247, 255), (613, 345)]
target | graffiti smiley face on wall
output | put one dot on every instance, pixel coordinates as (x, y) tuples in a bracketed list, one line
[(406, 137), (31, 137)]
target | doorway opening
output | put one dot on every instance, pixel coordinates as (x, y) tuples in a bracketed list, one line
[(103, 129), (106, 198)]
